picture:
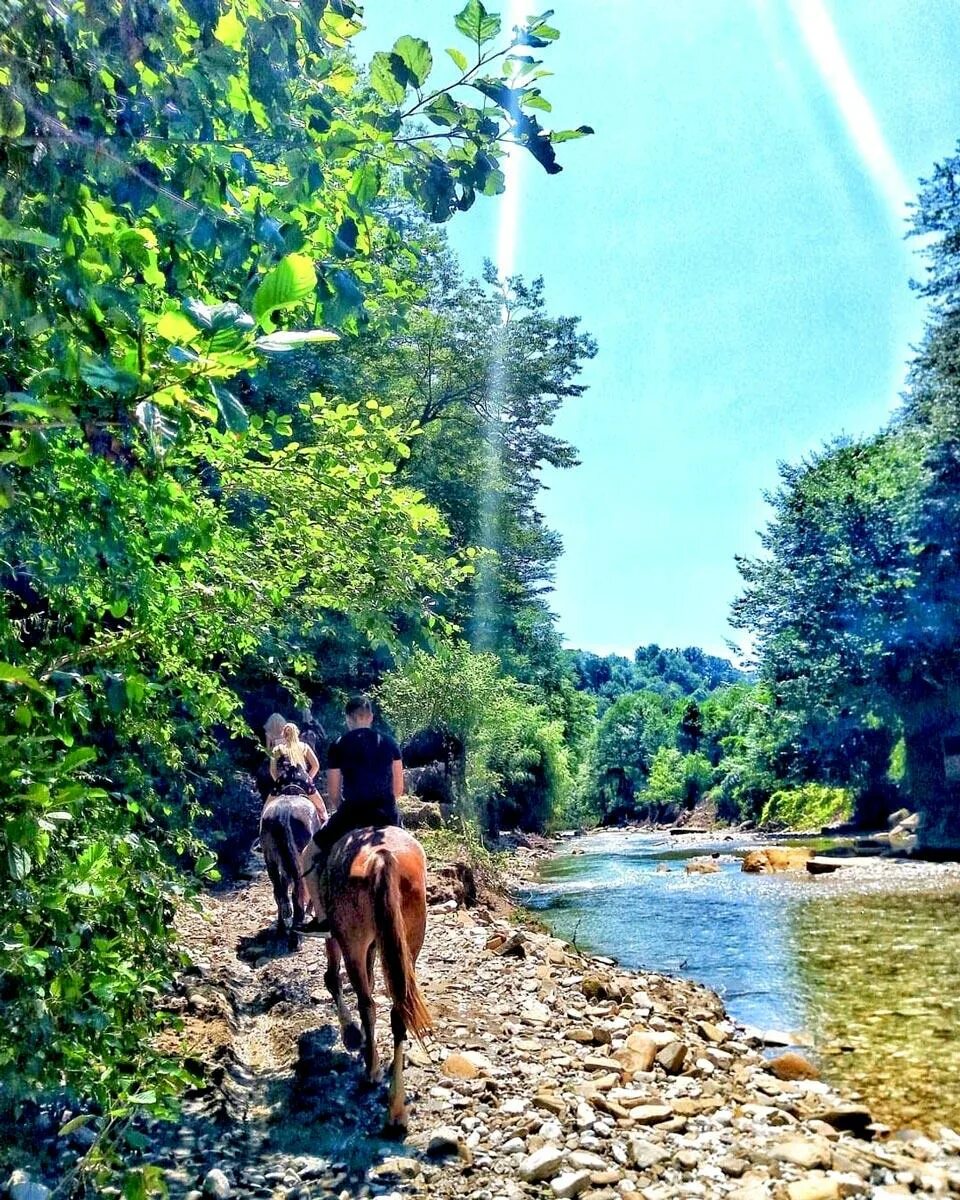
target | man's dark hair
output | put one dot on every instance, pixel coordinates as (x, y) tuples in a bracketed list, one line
[(358, 704)]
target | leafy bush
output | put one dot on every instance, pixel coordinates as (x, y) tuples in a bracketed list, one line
[(809, 806), (517, 770)]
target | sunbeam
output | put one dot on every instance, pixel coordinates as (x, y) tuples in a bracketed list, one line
[(826, 50), (508, 230)]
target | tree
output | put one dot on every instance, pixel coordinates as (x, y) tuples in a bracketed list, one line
[(483, 369), (517, 768), (188, 190)]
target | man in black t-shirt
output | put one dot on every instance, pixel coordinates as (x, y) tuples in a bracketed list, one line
[(365, 779)]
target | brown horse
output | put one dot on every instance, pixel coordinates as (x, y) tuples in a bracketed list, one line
[(377, 900)]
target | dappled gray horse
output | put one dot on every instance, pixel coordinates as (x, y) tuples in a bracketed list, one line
[(287, 824)]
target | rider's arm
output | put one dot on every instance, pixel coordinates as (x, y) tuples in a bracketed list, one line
[(334, 779), (273, 767), (313, 765), (397, 778)]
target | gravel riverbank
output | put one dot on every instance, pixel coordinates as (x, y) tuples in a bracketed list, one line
[(549, 1075)]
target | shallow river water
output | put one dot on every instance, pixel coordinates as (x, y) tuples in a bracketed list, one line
[(869, 976)]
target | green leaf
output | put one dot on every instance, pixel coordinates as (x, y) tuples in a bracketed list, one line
[(292, 280), (176, 327), (13, 119), (103, 376), (19, 862), (459, 58), (230, 30), (148, 1096), (234, 414), (568, 135), (443, 110), (16, 675), (475, 23), (78, 758), (365, 185), (75, 1123), (416, 57), (384, 80), (29, 237), (289, 339)]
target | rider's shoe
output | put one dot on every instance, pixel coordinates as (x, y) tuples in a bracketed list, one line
[(315, 927)]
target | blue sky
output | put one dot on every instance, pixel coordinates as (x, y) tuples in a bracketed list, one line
[(733, 237)]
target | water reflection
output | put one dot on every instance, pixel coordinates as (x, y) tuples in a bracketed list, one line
[(879, 976), (873, 977)]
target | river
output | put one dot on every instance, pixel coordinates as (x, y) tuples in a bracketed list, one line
[(866, 969)]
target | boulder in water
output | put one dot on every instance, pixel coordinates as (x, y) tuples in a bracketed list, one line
[(776, 858)]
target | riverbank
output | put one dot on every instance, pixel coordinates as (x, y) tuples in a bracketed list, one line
[(549, 1074)]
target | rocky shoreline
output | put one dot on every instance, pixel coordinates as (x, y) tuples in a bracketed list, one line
[(549, 1074)]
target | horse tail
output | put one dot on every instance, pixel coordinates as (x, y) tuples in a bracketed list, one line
[(398, 968), (287, 850)]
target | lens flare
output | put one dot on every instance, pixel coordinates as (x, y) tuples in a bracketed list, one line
[(496, 406), (829, 57)]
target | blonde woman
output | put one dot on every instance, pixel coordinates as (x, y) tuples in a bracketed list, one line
[(289, 753)]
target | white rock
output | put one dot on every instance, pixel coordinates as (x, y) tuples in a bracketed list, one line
[(541, 1164), (570, 1184), (21, 1187), (216, 1185)]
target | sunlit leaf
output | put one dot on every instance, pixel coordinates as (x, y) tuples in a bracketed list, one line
[(292, 280), (475, 23), (290, 339), (416, 57)]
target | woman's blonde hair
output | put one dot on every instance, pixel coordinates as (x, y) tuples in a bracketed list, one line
[(290, 741)]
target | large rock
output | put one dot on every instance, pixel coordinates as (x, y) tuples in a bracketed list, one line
[(570, 1184), (216, 1186), (466, 1065), (776, 858), (672, 1057), (814, 1187), (791, 1066), (702, 866), (644, 1154), (541, 1164), (445, 1141), (802, 1152)]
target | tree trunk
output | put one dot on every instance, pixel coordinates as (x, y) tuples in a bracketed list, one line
[(929, 791)]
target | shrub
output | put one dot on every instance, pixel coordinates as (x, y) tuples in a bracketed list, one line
[(809, 806)]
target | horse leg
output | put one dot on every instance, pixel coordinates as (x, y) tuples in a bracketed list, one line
[(363, 986), (280, 885), (397, 1118), (331, 977)]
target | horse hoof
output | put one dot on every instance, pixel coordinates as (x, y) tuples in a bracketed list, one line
[(352, 1037)]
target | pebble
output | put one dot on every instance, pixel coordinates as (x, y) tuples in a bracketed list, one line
[(571, 1183)]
